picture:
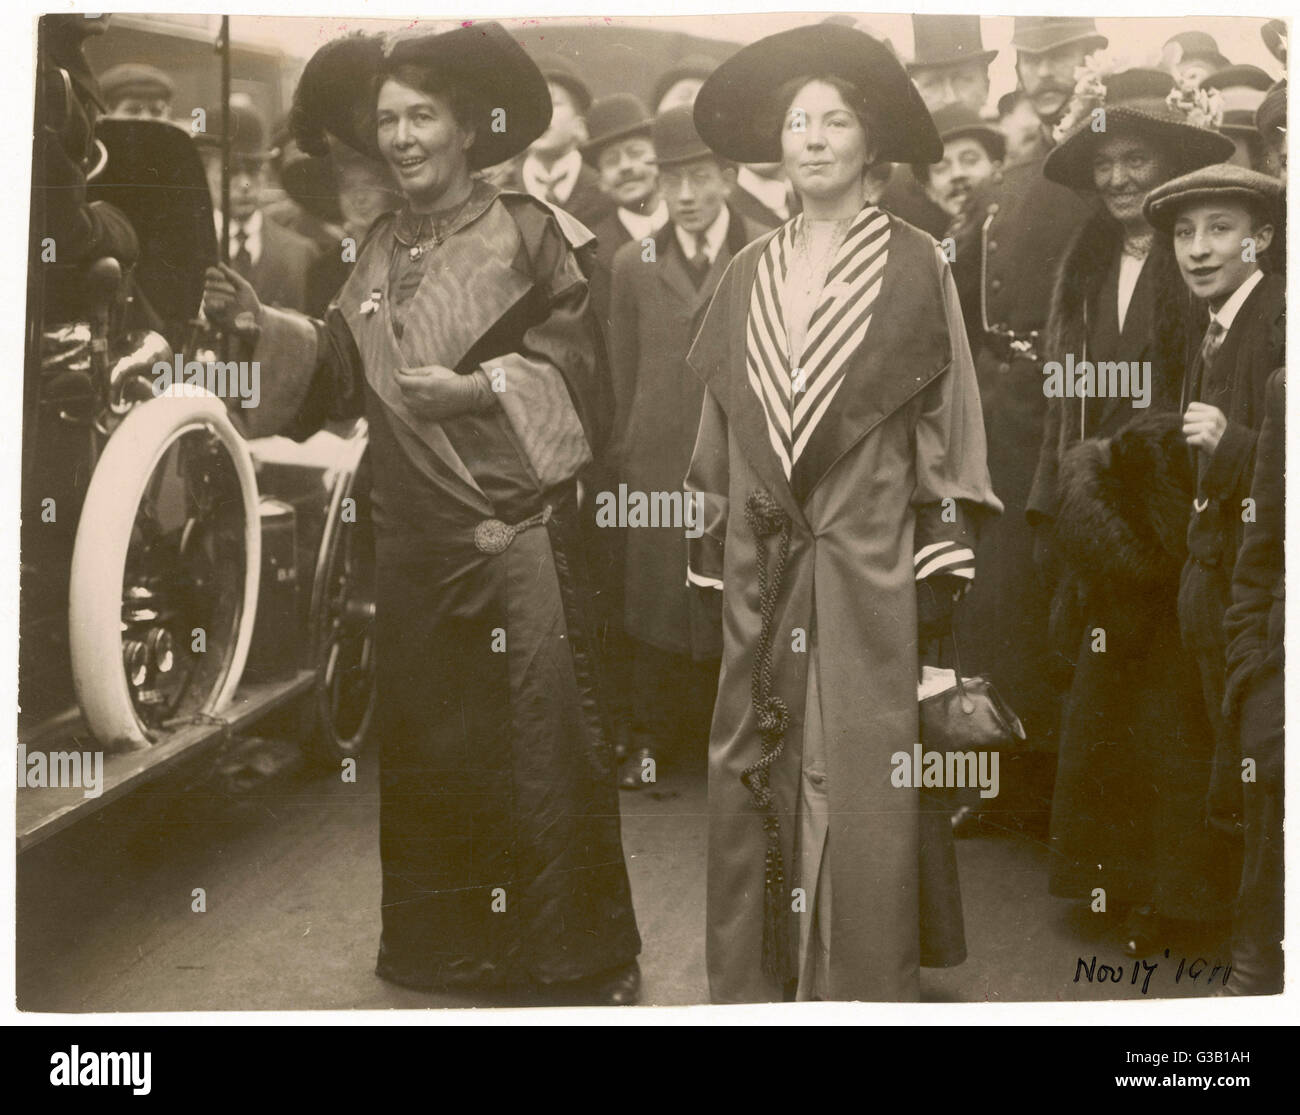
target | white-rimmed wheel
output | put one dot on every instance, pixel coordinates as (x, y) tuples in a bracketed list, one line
[(165, 571), (341, 620)]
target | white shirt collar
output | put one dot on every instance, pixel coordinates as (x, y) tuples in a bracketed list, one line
[(641, 225), (1228, 311), (714, 235), (252, 232), (771, 192), (563, 175)]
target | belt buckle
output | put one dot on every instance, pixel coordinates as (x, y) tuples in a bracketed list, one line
[(492, 536)]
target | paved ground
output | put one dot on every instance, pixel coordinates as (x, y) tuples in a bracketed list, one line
[(288, 859)]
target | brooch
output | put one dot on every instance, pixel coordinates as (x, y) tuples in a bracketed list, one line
[(371, 304)]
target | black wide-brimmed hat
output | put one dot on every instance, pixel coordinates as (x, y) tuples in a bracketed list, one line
[(735, 116), (336, 93), (1037, 34), (946, 40), (1166, 201), (618, 116), (1136, 101)]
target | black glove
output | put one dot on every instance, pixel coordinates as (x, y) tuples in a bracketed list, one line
[(936, 600)]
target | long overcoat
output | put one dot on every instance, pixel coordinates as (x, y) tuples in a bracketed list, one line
[(499, 829), (903, 433), (657, 309), (1025, 225)]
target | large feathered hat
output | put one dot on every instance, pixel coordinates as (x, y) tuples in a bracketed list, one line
[(1136, 101), (337, 91), (735, 116)]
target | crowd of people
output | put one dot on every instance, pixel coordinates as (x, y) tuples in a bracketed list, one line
[(820, 290)]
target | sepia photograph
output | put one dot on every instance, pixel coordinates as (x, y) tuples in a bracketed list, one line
[(677, 510)]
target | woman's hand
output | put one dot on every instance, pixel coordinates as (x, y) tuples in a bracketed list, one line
[(435, 392), (227, 295), (1203, 426)]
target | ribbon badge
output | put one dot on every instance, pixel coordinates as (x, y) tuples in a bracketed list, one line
[(371, 304)]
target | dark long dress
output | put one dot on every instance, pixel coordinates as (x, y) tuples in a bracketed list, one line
[(499, 817)]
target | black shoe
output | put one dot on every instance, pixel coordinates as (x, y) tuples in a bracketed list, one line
[(620, 987)]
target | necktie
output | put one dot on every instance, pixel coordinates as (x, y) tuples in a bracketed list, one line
[(239, 251), (1214, 335), (698, 264)]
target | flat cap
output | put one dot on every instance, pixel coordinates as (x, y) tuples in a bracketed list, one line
[(1222, 180)]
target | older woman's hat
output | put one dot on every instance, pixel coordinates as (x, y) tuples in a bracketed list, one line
[(691, 66), (336, 93), (1135, 101), (613, 118), (735, 115), (1037, 34), (135, 79), (946, 40), (1223, 181)]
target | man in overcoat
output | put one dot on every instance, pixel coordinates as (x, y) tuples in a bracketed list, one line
[(1018, 234), (659, 299)]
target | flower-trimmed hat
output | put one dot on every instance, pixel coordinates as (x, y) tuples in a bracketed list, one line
[(335, 94), (1166, 201), (1141, 101), (732, 109)]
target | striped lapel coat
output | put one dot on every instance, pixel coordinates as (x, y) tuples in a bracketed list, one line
[(882, 462)]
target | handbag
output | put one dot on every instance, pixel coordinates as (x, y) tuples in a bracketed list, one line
[(963, 714)]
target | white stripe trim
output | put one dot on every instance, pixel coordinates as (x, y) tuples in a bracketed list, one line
[(943, 560), (925, 551), (693, 578)]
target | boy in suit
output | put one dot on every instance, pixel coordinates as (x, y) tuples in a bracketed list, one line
[(1221, 220)]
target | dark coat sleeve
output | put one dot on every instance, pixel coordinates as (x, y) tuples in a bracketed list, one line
[(624, 354), (1253, 623)]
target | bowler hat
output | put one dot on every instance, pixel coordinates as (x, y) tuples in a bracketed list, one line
[(1241, 76), (736, 117), (1242, 90), (336, 93), (135, 79), (1134, 101), (1227, 180), (1036, 34), (247, 128), (693, 65), (1194, 44), (946, 40), (560, 71), (956, 120), (618, 116), (675, 137)]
